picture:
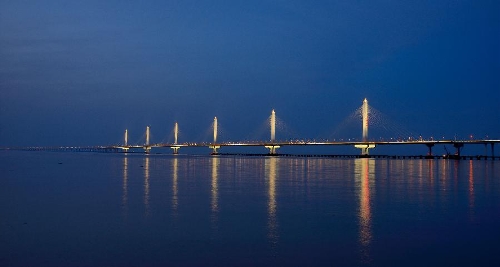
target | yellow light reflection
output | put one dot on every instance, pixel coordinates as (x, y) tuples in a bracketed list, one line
[(125, 184), (420, 172), (175, 200), (146, 185), (471, 189), (215, 189), (443, 174), (271, 173), (455, 172), (364, 172), (430, 167)]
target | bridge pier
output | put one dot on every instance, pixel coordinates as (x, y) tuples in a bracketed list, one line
[(430, 149), (492, 150), (458, 147), (214, 150), (175, 149), (364, 148), (272, 149)]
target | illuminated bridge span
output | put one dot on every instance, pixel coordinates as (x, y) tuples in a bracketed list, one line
[(272, 145)]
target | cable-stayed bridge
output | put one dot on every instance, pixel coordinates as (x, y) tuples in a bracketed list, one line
[(365, 144)]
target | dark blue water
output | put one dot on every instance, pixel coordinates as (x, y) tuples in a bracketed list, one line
[(85, 209)]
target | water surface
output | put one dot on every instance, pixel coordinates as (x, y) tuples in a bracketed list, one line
[(86, 209)]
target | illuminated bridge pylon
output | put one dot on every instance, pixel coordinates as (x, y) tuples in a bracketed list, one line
[(176, 135), (272, 123), (214, 145), (147, 146), (364, 147), (125, 142)]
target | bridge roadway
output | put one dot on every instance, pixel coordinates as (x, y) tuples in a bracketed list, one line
[(313, 143), (458, 144)]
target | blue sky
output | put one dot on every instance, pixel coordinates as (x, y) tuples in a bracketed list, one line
[(81, 72)]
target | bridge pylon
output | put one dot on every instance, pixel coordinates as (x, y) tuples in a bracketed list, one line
[(272, 123), (147, 147), (176, 134), (365, 146), (214, 147), (125, 143)]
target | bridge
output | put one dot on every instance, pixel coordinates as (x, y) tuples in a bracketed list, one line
[(273, 145), (365, 145)]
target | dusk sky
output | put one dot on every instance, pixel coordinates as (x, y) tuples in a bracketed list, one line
[(81, 72)]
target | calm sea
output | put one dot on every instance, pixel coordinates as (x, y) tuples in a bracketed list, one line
[(86, 209)]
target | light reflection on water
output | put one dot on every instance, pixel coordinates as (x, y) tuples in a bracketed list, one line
[(175, 173), (365, 174), (146, 185), (147, 210), (125, 185), (410, 179), (471, 190), (271, 175), (214, 202)]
